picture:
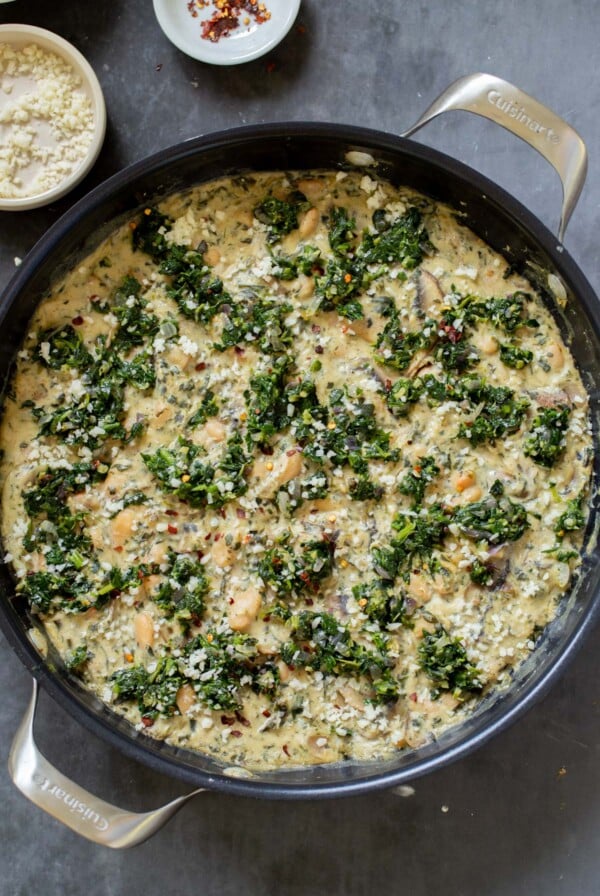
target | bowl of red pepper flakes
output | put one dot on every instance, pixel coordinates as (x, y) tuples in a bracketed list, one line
[(226, 32)]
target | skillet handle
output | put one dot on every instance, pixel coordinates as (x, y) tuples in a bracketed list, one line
[(525, 117), (75, 807)]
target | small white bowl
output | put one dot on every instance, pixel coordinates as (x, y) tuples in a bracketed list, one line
[(21, 35), (245, 43)]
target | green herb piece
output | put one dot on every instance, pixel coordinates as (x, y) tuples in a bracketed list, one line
[(339, 287), (414, 483), (208, 408), (364, 489), (403, 394), (396, 347), (342, 231), (445, 661), (547, 439), (226, 662), (183, 590), (480, 573), (267, 404), (53, 486), (404, 241), (320, 642), (496, 519), (499, 413), (281, 215), (351, 437), (76, 659), (417, 536), (289, 574), (139, 371), (572, 519), (135, 325), (287, 267), (67, 590), (63, 347), (181, 472), (384, 605), (514, 356), (155, 692), (256, 320), (459, 356)]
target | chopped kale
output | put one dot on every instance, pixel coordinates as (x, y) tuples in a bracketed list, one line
[(339, 287), (481, 573), (404, 241), (403, 394), (396, 347), (183, 591), (289, 574), (54, 485), (456, 356), (181, 472), (287, 267), (417, 536), (208, 408), (281, 215), (320, 642), (148, 234), (547, 439), (135, 324), (254, 319), (139, 371), (267, 403), (499, 413), (414, 483), (364, 489), (445, 661), (382, 603), (226, 661), (514, 356), (342, 231), (62, 347), (573, 517), (77, 659), (67, 590), (197, 292), (155, 692), (496, 519), (351, 437)]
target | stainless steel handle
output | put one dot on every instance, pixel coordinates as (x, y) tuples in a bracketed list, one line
[(75, 807), (524, 116)]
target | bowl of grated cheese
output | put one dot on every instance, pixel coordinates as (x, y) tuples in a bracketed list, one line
[(52, 117)]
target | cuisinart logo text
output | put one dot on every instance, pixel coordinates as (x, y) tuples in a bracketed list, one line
[(75, 806), (520, 114)]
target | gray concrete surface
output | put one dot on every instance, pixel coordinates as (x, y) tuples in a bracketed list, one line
[(523, 815)]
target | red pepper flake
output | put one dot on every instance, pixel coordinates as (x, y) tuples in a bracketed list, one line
[(285, 750), (316, 328), (201, 365), (413, 697), (236, 733), (208, 537), (147, 721), (238, 350), (291, 451), (227, 720), (172, 512), (319, 349), (199, 554), (266, 713), (119, 548), (388, 385), (94, 298), (217, 536), (240, 513), (172, 530), (227, 15), (309, 601), (77, 321), (242, 719)]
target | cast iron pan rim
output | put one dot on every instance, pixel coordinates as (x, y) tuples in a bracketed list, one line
[(351, 136)]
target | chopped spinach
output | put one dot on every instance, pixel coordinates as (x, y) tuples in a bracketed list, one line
[(414, 483), (281, 215)]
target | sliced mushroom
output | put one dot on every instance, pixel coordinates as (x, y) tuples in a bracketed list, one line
[(429, 291)]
